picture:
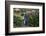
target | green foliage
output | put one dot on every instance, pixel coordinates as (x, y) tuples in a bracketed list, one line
[(17, 21), (34, 21), (22, 14), (33, 18)]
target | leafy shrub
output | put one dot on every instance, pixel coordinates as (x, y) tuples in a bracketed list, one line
[(34, 21), (17, 21)]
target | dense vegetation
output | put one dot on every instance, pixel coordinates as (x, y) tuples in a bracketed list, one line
[(33, 20)]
